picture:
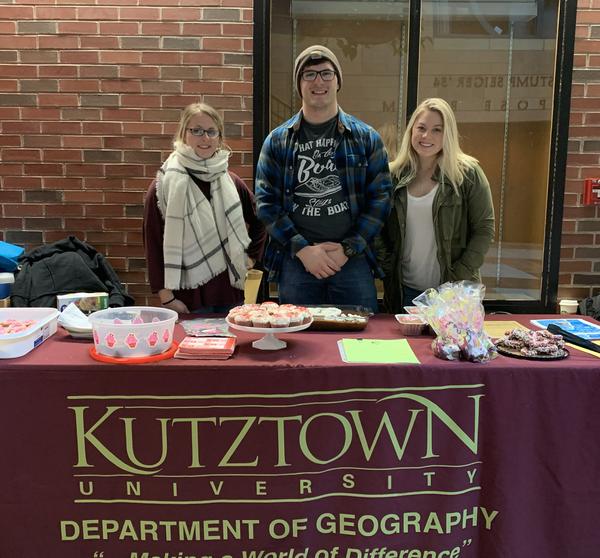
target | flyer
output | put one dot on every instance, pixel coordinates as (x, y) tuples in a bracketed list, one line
[(578, 326)]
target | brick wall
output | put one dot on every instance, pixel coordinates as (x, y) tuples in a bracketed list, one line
[(90, 97), (580, 251)]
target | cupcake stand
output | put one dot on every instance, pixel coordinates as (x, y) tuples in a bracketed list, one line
[(269, 342)]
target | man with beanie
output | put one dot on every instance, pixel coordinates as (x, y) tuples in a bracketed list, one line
[(323, 192)]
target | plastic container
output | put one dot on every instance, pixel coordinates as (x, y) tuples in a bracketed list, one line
[(133, 331), (14, 345), (6, 283), (568, 306), (86, 302), (411, 324)]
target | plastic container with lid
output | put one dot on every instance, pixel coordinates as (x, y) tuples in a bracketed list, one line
[(17, 344), (568, 306), (133, 331), (6, 283), (411, 324)]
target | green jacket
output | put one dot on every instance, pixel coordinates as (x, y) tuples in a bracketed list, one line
[(464, 229)]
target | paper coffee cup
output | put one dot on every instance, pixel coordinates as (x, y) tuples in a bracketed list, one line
[(253, 279), (568, 306)]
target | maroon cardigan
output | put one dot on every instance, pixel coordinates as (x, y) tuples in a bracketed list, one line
[(218, 291)]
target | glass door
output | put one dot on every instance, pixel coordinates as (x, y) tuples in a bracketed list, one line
[(370, 40), (494, 62)]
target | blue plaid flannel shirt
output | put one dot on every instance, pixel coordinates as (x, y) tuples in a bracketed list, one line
[(362, 164)]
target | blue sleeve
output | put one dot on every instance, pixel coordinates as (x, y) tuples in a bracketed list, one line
[(269, 185)]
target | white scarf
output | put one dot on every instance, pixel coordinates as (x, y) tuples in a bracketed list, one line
[(201, 239)]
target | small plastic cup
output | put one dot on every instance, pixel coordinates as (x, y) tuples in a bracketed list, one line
[(253, 279), (568, 306)]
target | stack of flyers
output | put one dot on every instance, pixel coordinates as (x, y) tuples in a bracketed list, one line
[(206, 348)]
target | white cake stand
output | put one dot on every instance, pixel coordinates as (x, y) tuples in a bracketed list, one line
[(269, 342)]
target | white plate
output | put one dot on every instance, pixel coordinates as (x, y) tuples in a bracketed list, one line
[(251, 329), (269, 342), (75, 329), (80, 334)]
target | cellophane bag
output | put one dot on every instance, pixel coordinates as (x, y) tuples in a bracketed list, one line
[(455, 313)]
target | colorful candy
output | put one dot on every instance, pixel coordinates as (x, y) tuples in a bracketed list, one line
[(455, 312), (533, 343), (14, 326)]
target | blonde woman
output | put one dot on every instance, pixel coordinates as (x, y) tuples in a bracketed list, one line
[(201, 233), (442, 219)]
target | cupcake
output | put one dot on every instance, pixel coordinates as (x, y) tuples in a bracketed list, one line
[(243, 319), (261, 319), (280, 319), (295, 317), (235, 310), (305, 313)]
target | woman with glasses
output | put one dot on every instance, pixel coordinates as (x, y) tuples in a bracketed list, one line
[(201, 233), (442, 219)]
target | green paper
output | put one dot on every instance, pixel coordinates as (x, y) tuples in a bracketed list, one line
[(378, 351)]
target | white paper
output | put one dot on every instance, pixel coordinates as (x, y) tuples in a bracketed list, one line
[(73, 318)]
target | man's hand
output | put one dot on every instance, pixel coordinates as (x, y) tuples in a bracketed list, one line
[(336, 252), (317, 261)]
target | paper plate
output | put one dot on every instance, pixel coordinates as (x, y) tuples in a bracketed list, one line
[(78, 332)]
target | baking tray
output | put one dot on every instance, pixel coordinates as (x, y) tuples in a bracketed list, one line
[(322, 324)]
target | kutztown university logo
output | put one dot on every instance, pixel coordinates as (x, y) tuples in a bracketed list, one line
[(330, 453)]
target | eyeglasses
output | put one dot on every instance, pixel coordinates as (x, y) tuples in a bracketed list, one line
[(211, 132), (311, 75)]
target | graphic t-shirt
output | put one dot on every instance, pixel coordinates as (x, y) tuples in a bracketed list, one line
[(321, 207)]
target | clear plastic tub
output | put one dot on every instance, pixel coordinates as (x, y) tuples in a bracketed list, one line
[(411, 324), (133, 331), (14, 345)]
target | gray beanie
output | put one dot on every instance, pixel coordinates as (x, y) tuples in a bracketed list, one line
[(315, 53)]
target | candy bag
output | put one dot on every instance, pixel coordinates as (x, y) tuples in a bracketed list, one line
[(455, 312)]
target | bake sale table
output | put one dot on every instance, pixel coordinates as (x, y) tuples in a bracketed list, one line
[(294, 453)]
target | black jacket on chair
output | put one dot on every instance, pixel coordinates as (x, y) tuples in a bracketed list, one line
[(67, 266)]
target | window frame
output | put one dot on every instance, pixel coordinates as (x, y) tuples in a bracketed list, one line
[(563, 69)]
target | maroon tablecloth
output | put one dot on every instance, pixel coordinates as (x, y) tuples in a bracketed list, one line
[(296, 452)]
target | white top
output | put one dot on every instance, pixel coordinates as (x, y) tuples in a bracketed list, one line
[(420, 266)]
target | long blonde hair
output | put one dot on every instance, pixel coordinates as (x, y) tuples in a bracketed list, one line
[(451, 161), (191, 111)]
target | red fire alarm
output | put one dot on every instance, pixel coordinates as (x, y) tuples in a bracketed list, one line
[(591, 191)]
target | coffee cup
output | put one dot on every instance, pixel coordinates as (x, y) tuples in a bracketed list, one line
[(568, 306)]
